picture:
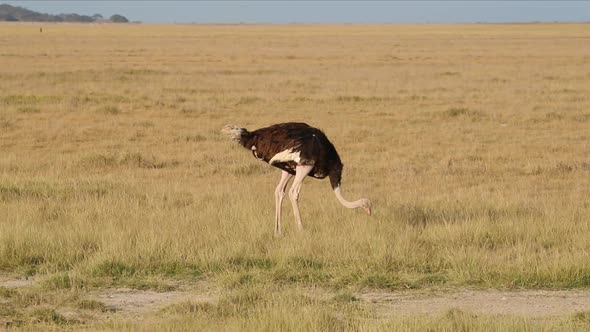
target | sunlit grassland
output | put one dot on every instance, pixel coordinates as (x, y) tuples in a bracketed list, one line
[(471, 140)]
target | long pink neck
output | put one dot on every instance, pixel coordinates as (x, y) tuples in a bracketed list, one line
[(343, 201)]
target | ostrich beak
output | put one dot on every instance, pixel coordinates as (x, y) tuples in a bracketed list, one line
[(368, 210)]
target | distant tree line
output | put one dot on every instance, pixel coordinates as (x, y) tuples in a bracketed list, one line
[(20, 14)]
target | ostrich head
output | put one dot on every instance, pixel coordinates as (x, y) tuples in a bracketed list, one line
[(366, 205)]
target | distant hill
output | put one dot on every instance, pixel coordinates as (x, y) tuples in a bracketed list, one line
[(20, 14)]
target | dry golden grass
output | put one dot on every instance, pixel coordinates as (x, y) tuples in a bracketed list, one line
[(471, 140)]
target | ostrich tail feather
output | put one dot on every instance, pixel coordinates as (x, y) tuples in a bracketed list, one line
[(235, 133)]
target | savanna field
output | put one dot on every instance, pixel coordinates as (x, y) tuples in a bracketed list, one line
[(472, 141)]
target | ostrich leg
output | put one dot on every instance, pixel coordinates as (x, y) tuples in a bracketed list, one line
[(279, 195), (300, 174)]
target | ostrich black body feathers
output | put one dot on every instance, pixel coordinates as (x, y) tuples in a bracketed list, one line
[(286, 145)]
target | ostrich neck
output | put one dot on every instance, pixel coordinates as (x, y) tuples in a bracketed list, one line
[(343, 201)]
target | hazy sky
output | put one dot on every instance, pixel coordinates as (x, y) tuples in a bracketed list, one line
[(223, 11)]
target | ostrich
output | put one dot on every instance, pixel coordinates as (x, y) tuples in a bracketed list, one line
[(298, 150)]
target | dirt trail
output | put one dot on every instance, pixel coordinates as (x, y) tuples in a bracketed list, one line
[(527, 303), (533, 304)]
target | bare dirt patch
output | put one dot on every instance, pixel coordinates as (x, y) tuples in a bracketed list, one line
[(10, 282), (136, 303), (533, 304)]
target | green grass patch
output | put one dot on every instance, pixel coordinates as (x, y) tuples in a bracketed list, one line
[(110, 110), (93, 305), (240, 263), (47, 315), (29, 99), (114, 269), (28, 110)]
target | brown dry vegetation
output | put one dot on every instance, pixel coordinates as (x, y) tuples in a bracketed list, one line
[(471, 140)]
